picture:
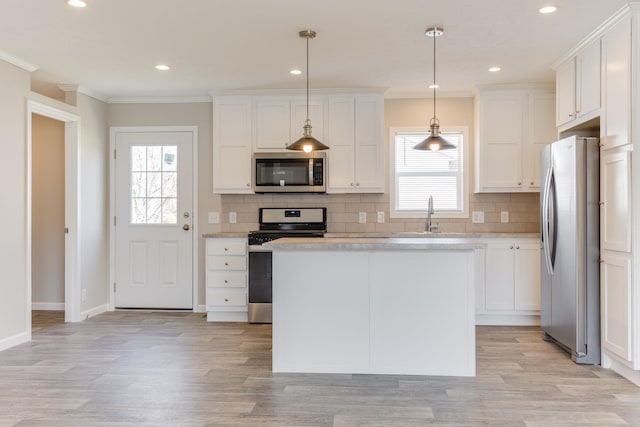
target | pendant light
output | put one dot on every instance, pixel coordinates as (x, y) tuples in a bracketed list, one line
[(307, 143), (434, 142)]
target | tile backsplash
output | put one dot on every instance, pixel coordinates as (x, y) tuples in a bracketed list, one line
[(343, 210)]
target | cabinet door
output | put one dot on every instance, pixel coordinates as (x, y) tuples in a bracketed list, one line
[(527, 275), (499, 274), (501, 136), (615, 211), (617, 314), (272, 122), (299, 115), (616, 57), (588, 80), (369, 143), (341, 135), (232, 123), (541, 131), (565, 92)]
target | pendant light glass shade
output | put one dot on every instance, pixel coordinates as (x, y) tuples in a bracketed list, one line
[(434, 142), (307, 143)]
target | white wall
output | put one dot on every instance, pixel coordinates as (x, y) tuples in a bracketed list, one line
[(192, 114), (93, 254), (14, 87), (47, 224)]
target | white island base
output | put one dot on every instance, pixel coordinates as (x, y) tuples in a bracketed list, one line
[(374, 306)]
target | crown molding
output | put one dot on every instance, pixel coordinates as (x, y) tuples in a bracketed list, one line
[(83, 90), (18, 62), (429, 94), (290, 92), (160, 100)]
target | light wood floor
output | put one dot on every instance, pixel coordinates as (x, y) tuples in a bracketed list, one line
[(128, 368)]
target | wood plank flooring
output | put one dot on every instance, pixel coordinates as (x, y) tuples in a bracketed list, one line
[(127, 368)]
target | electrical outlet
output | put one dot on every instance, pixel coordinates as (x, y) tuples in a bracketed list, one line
[(214, 217), (84, 295), (233, 218), (504, 216), (381, 217), (362, 217), (477, 217)]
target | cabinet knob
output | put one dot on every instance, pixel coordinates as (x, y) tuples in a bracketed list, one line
[(578, 111), (226, 249), (226, 281), (519, 183), (531, 183), (226, 300), (357, 184), (352, 184), (511, 247), (601, 203), (248, 185), (517, 247), (226, 263)]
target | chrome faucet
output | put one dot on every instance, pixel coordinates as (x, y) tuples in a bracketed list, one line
[(431, 227)]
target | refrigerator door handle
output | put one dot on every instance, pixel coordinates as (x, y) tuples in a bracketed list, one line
[(545, 221)]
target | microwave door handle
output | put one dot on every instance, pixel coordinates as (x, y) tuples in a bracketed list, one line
[(310, 171)]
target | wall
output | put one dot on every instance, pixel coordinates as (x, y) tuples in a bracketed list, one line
[(93, 254), (14, 323), (343, 209), (47, 262), (193, 114)]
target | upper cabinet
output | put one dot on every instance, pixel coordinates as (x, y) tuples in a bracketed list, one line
[(350, 124), (279, 120), (578, 87), (512, 124), (356, 140), (617, 84), (232, 123)]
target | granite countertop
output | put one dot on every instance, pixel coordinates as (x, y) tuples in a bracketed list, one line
[(226, 234), (417, 234), (376, 243)]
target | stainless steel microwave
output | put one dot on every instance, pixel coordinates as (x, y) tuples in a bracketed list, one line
[(294, 172)]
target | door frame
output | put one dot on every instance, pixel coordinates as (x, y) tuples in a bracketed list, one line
[(41, 105), (112, 203)]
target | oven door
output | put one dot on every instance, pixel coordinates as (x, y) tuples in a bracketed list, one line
[(260, 281)]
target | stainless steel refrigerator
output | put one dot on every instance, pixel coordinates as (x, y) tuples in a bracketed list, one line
[(570, 246)]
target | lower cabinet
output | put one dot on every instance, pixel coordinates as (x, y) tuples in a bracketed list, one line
[(226, 279), (511, 291)]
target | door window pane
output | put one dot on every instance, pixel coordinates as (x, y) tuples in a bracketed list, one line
[(154, 184)]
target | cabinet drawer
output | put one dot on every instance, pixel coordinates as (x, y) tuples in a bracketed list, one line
[(226, 298), (226, 262), (226, 246), (226, 279)]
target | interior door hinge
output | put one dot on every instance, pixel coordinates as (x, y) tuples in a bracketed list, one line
[(114, 287), (114, 154), (114, 220)]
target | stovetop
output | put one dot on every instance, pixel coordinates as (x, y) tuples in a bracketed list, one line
[(276, 223)]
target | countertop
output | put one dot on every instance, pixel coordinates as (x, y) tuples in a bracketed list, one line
[(372, 243), (227, 235), (401, 234)]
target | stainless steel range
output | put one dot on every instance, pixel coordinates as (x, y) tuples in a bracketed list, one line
[(274, 224)]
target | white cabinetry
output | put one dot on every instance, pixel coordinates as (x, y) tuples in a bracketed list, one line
[(511, 293), (232, 138), (511, 126), (355, 137), (616, 82), (578, 87), (279, 120), (226, 279)]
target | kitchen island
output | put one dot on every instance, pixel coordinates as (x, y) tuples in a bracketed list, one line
[(374, 305)]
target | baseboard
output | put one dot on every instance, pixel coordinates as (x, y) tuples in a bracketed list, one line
[(227, 316), (507, 320), (15, 340), (610, 362), (47, 306), (94, 311)]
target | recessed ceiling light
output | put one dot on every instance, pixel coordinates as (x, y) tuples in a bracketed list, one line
[(162, 67), (76, 3), (495, 69), (547, 9), (295, 72), (434, 86)]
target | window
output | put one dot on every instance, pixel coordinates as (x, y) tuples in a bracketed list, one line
[(154, 184), (417, 174)]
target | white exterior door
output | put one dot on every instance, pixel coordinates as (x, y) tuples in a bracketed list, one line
[(153, 206)]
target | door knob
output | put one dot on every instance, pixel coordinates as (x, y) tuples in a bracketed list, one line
[(186, 227)]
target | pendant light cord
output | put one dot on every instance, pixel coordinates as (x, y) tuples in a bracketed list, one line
[(434, 73), (307, 78)]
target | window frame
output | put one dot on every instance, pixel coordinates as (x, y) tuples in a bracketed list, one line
[(466, 153)]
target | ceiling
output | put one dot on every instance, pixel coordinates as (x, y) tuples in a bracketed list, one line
[(110, 47)]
